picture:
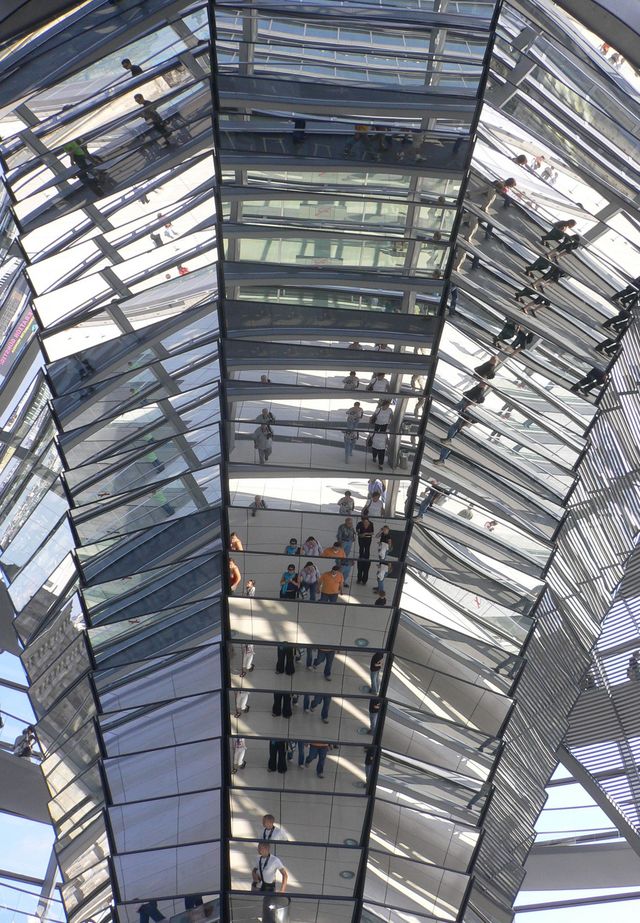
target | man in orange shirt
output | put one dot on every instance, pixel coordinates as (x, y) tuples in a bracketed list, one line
[(336, 551), (235, 577), (330, 584)]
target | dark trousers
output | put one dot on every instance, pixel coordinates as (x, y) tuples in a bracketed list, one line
[(364, 549), (281, 705), (149, 911), (285, 662), (378, 455), (277, 756), (191, 901)]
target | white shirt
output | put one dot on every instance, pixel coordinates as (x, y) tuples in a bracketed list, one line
[(267, 868), (382, 416), (380, 384), (374, 508), (275, 833)]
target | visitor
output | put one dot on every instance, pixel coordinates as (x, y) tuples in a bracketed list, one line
[(264, 875)]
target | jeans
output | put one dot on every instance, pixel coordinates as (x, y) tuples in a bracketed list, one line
[(311, 704), (373, 720), (310, 657), (321, 754), (346, 572), (348, 448), (454, 429), (381, 586), (424, 506), (346, 547), (375, 681), (149, 911), (328, 597), (311, 589), (292, 749), (325, 657), (444, 454)]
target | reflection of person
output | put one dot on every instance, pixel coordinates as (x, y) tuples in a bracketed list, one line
[(239, 754), (25, 742), (264, 875), (591, 380), (134, 69), (258, 504), (375, 669), (262, 439), (153, 117), (633, 668), (235, 577), (330, 584), (149, 911), (270, 831)]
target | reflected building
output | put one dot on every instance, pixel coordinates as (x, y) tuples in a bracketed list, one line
[(318, 383)]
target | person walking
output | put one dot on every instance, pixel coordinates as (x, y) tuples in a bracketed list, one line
[(378, 442), (258, 504), (262, 438), (558, 231), (382, 416), (309, 577), (277, 756), (364, 531), (151, 115), (269, 830), (350, 437), (346, 504), (375, 669), (325, 656), (488, 369), (346, 535), (374, 505), (506, 333), (452, 432), (475, 395), (266, 418), (317, 751), (375, 707), (310, 705), (381, 572), (351, 382), (593, 379), (239, 747), (134, 69), (385, 542), (497, 188), (248, 656), (330, 584), (268, 868), (629, 295), (379, 383)]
